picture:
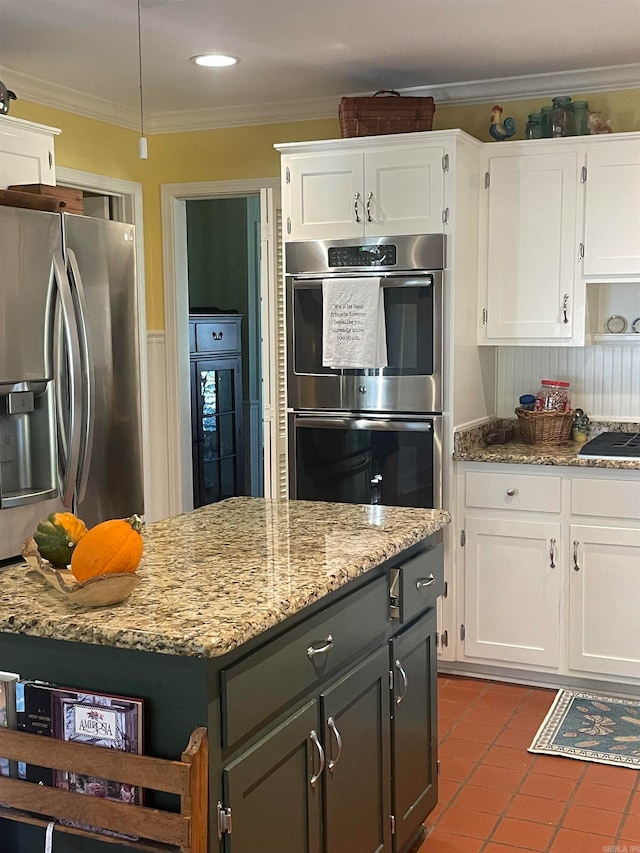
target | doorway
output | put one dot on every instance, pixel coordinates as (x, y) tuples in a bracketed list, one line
[(266, 345), (223, 259)]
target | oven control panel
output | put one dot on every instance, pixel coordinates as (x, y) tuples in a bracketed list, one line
[(362, 256)]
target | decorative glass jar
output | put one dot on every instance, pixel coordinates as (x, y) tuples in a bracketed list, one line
[(553, 396), (534, 127), (562, 123), (545, 112), (581, 118)]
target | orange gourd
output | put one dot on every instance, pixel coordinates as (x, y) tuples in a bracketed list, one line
[(108, 548)]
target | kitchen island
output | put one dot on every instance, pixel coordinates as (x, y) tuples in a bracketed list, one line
[(270, 624)]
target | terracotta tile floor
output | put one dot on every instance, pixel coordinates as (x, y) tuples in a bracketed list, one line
[(495, 796)]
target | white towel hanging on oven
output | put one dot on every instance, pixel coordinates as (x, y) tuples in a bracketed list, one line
[(353, 329)]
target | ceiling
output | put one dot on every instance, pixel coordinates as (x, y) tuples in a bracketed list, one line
[(298, 57)]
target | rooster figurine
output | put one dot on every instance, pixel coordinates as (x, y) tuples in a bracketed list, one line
[(501, 128)]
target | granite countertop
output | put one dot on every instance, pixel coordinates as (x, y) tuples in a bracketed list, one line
[(214, 578), (469, 446)]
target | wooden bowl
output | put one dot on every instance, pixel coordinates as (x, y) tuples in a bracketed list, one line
[(96, 592)]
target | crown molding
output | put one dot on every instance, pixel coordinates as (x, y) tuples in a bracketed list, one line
[(605, 79), (50, 94)]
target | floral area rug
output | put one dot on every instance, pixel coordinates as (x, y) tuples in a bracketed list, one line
[(591, 728)]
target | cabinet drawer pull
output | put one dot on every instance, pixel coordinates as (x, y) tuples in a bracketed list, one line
[(313, 736), (356, 199), (331, 723), (312, 651), (405, 682), (217, 336), (422, 582)]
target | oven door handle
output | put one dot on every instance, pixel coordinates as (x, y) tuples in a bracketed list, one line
[(391, 425), (385, 281)]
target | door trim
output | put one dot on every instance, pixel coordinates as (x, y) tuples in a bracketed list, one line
[(176, 306)]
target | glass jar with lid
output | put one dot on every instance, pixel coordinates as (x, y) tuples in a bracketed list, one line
[(545, 112), (581, 118), (534, 127), (553, 396), (562, 123)]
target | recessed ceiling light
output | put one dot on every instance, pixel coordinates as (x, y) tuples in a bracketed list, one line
[(215, 60)]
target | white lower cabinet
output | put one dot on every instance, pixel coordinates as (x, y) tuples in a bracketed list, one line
[(604, 602), (512, 591), (550, 570)]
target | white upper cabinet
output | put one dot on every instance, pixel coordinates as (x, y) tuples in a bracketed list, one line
[(325, 192), (612, 209), (529, 248), (26, 152), (375, 188), (404, 191)]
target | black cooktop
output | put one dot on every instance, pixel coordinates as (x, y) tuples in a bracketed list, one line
[(613, 445)]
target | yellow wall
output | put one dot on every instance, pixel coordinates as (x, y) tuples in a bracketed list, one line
[(622, 107), (243, 152)]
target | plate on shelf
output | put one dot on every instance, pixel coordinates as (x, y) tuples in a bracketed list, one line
[(617, 324), (96, 592)]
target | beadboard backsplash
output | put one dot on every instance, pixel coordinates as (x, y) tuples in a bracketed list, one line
[(605, 380)]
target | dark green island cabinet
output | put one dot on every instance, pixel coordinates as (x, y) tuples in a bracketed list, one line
[(300, 634)]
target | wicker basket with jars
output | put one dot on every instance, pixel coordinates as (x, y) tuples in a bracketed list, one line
[(551, 420)]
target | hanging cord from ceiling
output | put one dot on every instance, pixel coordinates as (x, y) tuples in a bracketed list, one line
[(142, 142)]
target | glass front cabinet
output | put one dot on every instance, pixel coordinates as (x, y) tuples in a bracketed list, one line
[(216, 407)]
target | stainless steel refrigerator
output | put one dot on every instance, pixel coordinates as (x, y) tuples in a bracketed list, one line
[(70, 410)]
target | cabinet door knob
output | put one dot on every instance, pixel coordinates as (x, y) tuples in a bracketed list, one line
[(331, 723), (312, 651), (313, 736), (511, 492)]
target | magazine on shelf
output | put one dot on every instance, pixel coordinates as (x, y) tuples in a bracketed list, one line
[(8, 715), (99, 719), (33, 711)]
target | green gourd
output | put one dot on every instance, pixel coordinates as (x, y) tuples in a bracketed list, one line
[(57, 537)]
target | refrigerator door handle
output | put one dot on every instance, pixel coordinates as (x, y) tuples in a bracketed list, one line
[(70, 466), (87, 424)]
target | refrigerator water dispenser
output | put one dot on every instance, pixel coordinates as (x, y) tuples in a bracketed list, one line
[(27, 450)]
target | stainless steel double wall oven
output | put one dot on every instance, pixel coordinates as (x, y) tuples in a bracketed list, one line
[(367, 435)]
